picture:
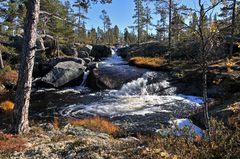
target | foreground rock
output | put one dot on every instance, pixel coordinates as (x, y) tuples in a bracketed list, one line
[(76, 142), (64, 73)]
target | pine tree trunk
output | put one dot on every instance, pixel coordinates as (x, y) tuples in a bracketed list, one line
[(1, 61), (170, 30), (20, 117), (232, 28)]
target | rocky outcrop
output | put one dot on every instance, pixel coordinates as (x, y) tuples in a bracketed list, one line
[(100, 51), (87, 48), (153, 49), (70, 50), (112, 77), (42, 68), (76, 142), (64, 73), (83, 54)]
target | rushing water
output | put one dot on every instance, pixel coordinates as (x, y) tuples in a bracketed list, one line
[(150, 93), (145, 101)]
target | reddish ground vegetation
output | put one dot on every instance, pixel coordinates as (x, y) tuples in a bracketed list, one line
[(9, 143)]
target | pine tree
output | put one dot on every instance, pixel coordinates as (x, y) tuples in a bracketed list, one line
[(82, 7), (116, 34), (22, 99), (148, 20), (106, 27), (139, 19)]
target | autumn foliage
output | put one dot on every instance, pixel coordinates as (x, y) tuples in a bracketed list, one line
[(7, 106), (97, 124), (148, 61)]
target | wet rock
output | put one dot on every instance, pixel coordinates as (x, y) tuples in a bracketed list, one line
[(87, 49), (100, 51), (70, 50), (112, 77), (64, 73), (87, 60), (92, 65), (83, 54)]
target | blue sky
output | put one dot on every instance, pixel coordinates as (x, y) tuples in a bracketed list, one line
[(120, 12)]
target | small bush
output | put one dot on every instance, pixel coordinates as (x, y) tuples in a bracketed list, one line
[(97, 124), (7, 106), (10, 143), (148, 61)]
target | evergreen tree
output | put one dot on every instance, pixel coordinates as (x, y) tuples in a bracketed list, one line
[(82, 8), (116, 34), (139, 19), (148, 21), (106, 27)]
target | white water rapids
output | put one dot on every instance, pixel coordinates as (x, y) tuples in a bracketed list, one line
[(142, 96)]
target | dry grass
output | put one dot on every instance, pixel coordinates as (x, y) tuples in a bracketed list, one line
[(7, 106), (10, 143), (55, 122), (8, 75), (97, 124), (148, 61)]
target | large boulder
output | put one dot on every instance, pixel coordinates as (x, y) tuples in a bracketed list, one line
[(41, 69), (87, 48), (83, 54), (100, 51), (64, 73), (152, 49), (112, 77), (70, 50)]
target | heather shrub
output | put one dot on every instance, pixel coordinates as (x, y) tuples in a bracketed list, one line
[(10, 143)]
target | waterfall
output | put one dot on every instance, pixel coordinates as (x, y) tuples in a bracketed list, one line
[(85, 76), (149, 84)]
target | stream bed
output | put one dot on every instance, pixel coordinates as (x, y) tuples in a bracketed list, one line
[(141, 105)]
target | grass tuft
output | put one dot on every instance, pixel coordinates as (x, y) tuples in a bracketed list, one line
[(148, 61), (97, 124)]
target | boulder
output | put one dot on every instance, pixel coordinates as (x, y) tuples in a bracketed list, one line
[(64, 73), (87, 60), (70, 50), (87, 48), (152, 49), (92, 65), (83, 54), (113, 77), (41, 69), (100, 51)]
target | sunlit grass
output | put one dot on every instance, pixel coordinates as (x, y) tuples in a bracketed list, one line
[(148, 61), (7, 106), (96, 124)]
